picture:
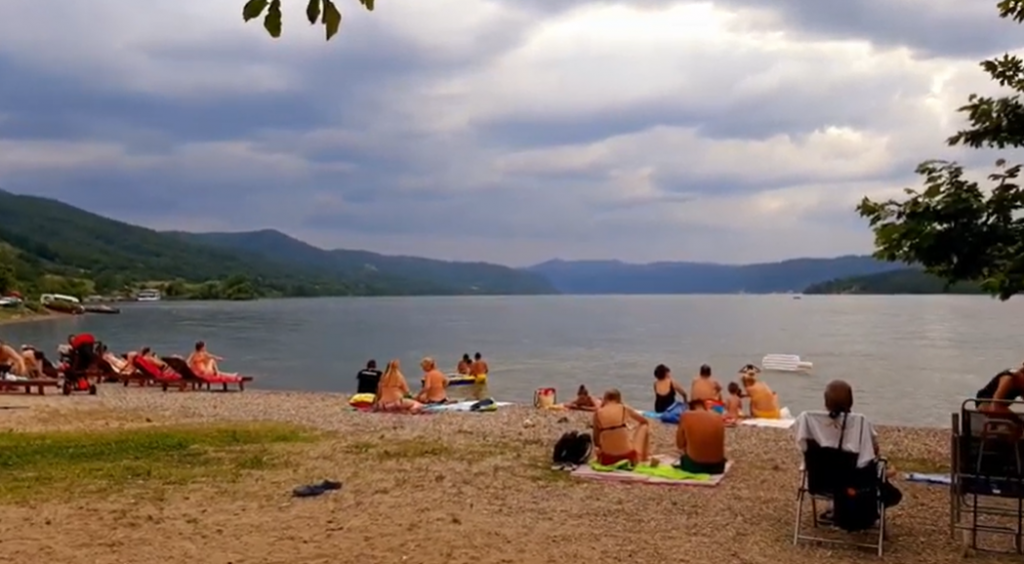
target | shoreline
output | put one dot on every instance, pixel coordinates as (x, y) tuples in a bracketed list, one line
[(429, 482), (27, 316)]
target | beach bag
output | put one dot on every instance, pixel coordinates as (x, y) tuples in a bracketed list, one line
[(573, 448), (544, 398)]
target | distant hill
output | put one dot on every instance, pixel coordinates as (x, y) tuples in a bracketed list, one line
[(902, 281), (615, 277), (398, 274), (50, 246)]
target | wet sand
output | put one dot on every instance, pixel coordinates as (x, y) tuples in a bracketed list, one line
[(441, 489)]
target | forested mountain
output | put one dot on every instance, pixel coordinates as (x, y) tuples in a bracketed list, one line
[(50, 246), (615, 277), (903, 281)]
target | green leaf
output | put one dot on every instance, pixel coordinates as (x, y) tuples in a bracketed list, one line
[(272, 22), (367, 3), (331, 19), (253, 9), (313, 11)]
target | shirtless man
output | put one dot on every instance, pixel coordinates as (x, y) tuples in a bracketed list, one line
[(614, 441), (479, 366), (704, 387), (12, 358), (700, 439), (435, 384), (764, 403)]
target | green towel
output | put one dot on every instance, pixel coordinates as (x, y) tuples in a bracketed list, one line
[(664, 471)]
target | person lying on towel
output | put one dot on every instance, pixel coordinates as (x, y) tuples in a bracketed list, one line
[(614, 439), (700, 439)]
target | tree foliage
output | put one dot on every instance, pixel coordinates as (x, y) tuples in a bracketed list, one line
[(953, 227), (322, 12)]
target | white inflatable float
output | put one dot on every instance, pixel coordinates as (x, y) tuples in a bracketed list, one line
[(785, 363)]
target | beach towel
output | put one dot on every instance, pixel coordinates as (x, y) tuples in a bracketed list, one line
[(935, 479), (464, 406), (670, 416), (665, 474)]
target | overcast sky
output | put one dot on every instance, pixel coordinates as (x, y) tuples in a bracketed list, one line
[(512, 131)]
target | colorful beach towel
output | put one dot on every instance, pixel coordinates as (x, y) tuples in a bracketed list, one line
[(665, 474), (935, 479), (465, 406)]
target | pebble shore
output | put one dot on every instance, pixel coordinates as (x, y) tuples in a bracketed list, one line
[(500, 503)]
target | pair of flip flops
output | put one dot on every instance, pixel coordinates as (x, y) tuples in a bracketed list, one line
[(313, 490)]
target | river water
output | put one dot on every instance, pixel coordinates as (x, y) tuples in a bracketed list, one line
[(911, 359)]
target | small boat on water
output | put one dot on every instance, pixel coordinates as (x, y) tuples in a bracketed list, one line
[(100, 308), (61, 303), (148, 295)]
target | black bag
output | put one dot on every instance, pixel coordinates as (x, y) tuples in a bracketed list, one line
[(573, 448)]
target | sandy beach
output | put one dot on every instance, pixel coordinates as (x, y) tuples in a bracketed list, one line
[(432, 489)]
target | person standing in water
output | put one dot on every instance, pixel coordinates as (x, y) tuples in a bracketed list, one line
[(479, 366), (465, 365)]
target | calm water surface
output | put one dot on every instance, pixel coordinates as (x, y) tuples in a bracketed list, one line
[(911, 359)]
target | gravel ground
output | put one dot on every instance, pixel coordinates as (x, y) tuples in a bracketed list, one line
[(447, 488)]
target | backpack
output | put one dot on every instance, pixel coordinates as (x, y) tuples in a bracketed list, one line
[(573, 449)]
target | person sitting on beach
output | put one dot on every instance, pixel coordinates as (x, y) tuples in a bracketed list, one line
[(700, 438), (368, 378), (435, 384), (1006, 386), (614, 441), (464, 366), (479, 366), (392, 391), (665, 389), (764, 403), (13, 359), (33, 362), (839, 405), (583, 401), (203, 363), (734, 404), (705, 387)]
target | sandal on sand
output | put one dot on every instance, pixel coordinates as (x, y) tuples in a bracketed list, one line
[(308, 491), (328, 485)]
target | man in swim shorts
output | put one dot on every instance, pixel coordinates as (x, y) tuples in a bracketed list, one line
[(700, 438), (705, 387), (479, 366)]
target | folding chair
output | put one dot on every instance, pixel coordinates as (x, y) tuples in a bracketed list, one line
[(987, 464), (830, 472)]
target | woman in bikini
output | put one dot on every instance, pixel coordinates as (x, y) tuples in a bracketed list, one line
[(392, 391), (202, 362), (665, 389), (613, 439)]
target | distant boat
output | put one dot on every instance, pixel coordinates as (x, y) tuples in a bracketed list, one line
[(796, 297), (148, 295), (785, 363), (62, 303)]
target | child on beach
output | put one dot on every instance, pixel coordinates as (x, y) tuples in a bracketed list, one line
[(733, 405)]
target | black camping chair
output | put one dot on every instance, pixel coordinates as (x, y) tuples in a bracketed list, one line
[(832, 474), (987, 481)]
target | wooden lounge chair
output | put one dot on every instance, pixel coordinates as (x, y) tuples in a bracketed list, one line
[(39, 384)]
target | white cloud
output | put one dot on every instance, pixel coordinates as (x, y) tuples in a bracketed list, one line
[(607, 129)]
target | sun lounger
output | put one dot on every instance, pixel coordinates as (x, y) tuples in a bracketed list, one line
[(162, 376), (39, 385), (199, 380)]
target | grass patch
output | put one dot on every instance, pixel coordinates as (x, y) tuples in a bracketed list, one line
[(46, 463)]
